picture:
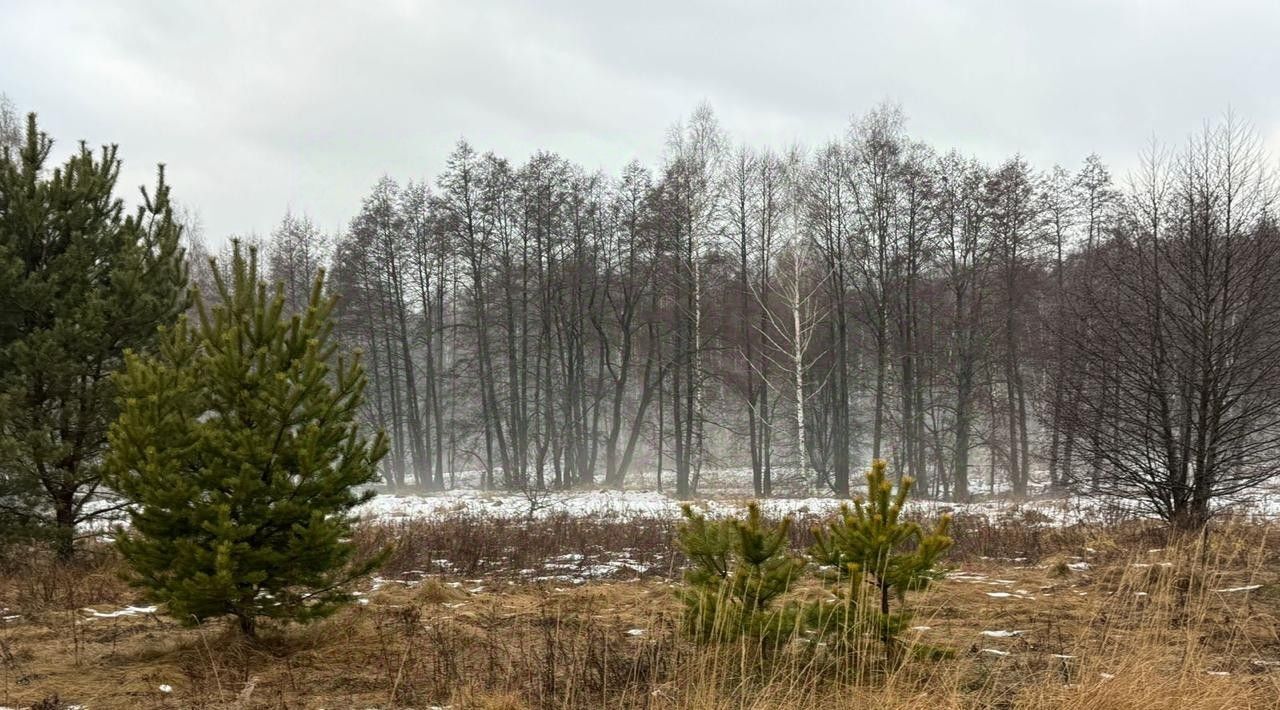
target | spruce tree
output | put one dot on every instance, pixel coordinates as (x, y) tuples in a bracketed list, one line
[(869, 547), (238, 446), (81, 281)]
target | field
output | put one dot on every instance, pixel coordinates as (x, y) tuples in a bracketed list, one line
[(569, 601)]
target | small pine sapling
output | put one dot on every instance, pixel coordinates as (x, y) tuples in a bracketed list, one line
[(740, 568), (871, 555), (239, 447)]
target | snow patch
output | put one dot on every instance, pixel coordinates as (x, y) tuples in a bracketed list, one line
[(127, 611)]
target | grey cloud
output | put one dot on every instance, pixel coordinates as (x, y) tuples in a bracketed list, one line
[(260, 107)]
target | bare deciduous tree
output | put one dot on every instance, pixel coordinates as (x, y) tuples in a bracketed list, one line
[(1179, 392)]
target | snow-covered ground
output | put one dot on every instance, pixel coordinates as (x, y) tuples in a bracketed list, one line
[(724, 492), (729, 493), (624, 505)]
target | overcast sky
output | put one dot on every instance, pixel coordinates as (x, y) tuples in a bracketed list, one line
[(260, 107)]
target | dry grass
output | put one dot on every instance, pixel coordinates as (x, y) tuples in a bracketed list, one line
[(1140, 627)]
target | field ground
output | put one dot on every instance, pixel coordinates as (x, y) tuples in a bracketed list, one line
[(556, 609)]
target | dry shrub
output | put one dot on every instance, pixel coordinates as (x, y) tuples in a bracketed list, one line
[(34, 581), (431, 591), (471, 546), (481, 700)]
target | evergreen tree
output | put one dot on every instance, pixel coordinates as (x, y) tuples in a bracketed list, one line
[(239, 448), (80, 282), (739, 569), (869, 546)]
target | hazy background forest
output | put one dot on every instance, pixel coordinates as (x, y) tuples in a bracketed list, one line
[(794, 311)]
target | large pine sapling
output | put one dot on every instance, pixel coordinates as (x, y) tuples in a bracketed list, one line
[(740, 568), (238, 446), (872, 555), (82, 280)]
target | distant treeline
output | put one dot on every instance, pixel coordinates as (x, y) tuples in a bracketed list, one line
[(805, 311)]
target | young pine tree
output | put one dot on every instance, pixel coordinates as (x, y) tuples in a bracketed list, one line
[(81, 281), (739, 569), (869, 547), (238, 446)]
